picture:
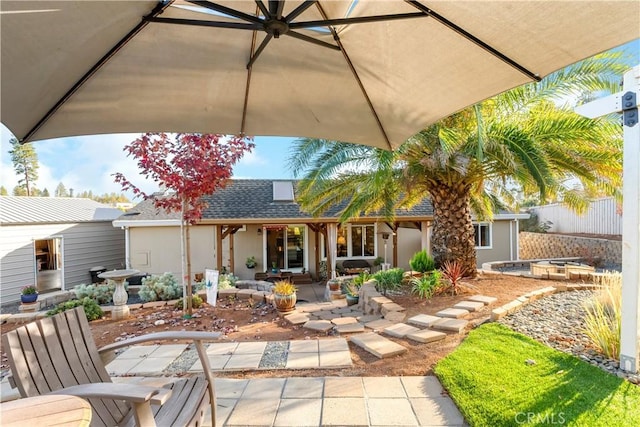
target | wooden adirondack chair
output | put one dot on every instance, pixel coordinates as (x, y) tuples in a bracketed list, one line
[(58, 355)]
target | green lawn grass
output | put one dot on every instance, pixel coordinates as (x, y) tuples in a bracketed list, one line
[(491, 383)]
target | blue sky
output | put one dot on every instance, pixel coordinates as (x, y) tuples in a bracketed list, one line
[(88, 163)]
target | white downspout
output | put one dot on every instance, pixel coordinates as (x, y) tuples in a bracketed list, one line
[(127, 249), (511, 240), (517, 239)]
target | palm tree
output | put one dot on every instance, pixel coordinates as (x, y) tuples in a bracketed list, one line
[(481, 159)]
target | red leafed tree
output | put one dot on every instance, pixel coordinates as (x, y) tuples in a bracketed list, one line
[(190, 166)]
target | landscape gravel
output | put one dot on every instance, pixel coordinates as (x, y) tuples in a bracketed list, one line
[(558, 321), (275, 355)]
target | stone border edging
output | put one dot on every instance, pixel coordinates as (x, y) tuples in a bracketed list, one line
[(516, 304)]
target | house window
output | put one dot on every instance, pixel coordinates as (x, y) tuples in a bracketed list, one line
[(482, 235), (362, 240), (354, 241)]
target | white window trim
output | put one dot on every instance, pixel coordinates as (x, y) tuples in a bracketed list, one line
[(349, 246), (485, 224)]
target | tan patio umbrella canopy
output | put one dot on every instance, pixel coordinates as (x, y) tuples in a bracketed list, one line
[(95, 67)]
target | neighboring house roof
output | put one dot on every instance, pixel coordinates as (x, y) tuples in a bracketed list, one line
[(53, 210), (249, 199)]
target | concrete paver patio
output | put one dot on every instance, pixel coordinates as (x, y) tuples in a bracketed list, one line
[(308, 401), (328, 401)]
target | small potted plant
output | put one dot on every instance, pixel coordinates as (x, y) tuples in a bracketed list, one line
[(284, 296), (28, 294), (352, 291), (274, 267), (251, 262), (334, 285)]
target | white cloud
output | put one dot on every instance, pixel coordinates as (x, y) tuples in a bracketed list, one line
[(88, 163)]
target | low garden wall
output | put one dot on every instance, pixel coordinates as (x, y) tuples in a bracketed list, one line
[(552, 246)]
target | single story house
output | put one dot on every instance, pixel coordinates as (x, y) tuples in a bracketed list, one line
[(54, 242), (261, 219)]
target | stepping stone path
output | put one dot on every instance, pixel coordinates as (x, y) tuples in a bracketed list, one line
[(377, 345), (469, 305), (426, 336), (343, 320), (399, 330), (424, 320), (350, 328), (452, 325), (319, 325), (297, 318), (378, 313), (454, 313), (483, 299), (378, 324)]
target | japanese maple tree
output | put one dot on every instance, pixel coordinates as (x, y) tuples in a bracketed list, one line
[(189, 166)]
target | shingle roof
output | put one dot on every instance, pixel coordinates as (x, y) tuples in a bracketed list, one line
[(251, 199), (53, 210)]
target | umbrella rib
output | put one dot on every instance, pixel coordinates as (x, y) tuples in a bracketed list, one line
[(160, 7), (298, 10), (299, 36), (245, 104), (200, 23), (444, 21), (226, 10), (264, 43), (275, 7), (263, 8), (357, 77), (357, 20)]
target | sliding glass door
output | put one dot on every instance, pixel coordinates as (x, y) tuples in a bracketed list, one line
[(285, 247)]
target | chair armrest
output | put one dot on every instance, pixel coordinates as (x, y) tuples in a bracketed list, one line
[(128, 392), (169, 335)]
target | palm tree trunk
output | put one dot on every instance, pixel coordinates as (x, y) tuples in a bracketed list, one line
[(453, 234)]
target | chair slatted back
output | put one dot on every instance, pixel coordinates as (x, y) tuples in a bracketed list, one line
[(57, 352)]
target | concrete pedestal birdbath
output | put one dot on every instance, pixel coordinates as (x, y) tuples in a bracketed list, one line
[(120, 297)]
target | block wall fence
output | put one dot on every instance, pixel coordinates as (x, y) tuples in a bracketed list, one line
[(544, 246)]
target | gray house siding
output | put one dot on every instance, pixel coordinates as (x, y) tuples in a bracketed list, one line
[(84, 245)]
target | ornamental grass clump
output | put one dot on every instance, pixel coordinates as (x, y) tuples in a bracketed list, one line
[(284, 287), (603, 314), (388, 280), (426, 286)]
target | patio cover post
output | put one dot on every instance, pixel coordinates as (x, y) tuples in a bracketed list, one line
[(332, 251), (626, 102)]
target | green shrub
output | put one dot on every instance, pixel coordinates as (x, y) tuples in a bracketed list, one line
[(426, 285), (100, 293), (361, 279), (323, 271), (160, 288), (422, 262), (604, 314), (196, 302), (227, 281), (91, 308), (388, 280)]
